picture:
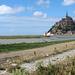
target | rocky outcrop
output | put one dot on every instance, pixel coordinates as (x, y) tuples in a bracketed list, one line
[(63, 26)]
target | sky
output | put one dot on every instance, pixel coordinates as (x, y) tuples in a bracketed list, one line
[(32, 17)]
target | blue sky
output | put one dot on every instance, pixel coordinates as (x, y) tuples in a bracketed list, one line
[(32, 17)]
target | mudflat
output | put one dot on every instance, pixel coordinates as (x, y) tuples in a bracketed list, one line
[(33, 40)]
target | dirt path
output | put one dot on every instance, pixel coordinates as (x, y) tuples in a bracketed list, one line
[(51, 59), (40, 52)]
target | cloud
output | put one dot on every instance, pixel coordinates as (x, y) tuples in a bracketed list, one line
[(68, 2), (29, 8), (6, 10), (45, 15), (39, 13), (73, 12), (20, 25), (40, 2), (24, 21), (20, 21), (44, 3)]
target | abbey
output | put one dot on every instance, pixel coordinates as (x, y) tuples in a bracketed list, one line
[(64, 26)]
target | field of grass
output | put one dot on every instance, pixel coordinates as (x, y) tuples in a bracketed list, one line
[(21, 37), (26, 46)]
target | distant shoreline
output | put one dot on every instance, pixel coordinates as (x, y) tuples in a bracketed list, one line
[(30, 36), (21, 36)]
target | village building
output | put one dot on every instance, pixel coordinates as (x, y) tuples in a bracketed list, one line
[(48, 34)]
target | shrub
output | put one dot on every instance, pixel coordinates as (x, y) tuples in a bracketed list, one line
[(2, 67), (25, 60), (20, 72), (39, 64), (10, 68), (57, 69)]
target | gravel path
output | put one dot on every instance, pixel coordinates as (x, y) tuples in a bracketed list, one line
[(51, 59)]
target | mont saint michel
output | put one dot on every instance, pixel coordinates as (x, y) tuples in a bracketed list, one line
[(64, 26), (24, 50)]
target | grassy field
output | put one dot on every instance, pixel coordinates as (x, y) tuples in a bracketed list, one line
[(26, 46), (20, 37)]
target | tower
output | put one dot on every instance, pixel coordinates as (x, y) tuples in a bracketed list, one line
[(66, 18), (66, 14)]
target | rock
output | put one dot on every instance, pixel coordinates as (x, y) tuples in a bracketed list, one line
[(8, 60), (47, 55), (2, 72), (14, 64)]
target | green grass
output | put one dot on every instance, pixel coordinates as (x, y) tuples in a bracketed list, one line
[(21, 37), (26, 46)]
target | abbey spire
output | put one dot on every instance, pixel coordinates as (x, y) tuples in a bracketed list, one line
[(66, 14)]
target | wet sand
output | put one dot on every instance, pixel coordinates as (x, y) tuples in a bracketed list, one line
[(33, 40)]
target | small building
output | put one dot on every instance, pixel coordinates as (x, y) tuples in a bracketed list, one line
[(48, 34), (59, 32), (71, 32)]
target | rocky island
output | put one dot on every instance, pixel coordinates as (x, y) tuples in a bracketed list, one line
[(64, 26)]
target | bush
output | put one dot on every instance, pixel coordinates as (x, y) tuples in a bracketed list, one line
[(2, 67), (39, 64), (10, 68), (57, 69), (20, 72)]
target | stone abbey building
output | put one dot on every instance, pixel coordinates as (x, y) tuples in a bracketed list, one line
[(64, 26)]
